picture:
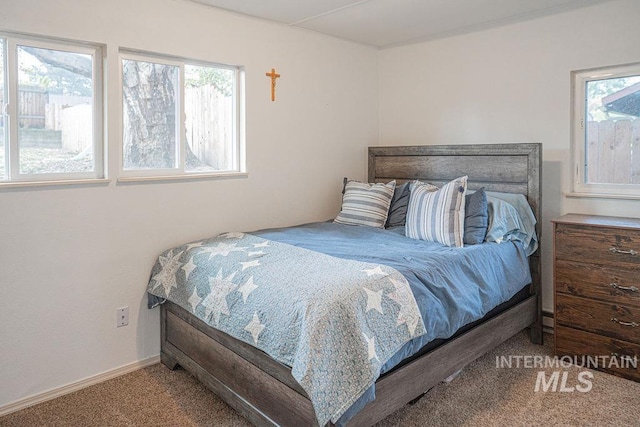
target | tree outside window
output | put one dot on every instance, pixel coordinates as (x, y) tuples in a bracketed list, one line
[(178, 117)]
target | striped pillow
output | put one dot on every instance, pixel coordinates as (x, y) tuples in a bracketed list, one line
[(437, 215), (366, 204)]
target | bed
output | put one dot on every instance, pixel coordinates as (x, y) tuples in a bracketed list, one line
[(264, 390)]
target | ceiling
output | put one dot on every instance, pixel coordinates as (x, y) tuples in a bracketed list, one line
[(386, 23)]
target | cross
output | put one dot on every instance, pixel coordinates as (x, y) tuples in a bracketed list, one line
[(273, 76)]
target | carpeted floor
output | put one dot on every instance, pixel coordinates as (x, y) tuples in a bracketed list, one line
[(482, 395)]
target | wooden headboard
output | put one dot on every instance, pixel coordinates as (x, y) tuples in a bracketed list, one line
[(508, 168)]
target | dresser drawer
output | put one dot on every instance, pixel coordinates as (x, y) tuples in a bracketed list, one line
[(617, 285), (615, 247), (613, 320), (579, 343)]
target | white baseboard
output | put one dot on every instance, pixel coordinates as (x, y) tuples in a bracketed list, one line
[(75, 386), (547, 321)]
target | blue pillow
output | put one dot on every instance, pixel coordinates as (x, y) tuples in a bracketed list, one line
[(476, 217), (511, 219), (398, 208)]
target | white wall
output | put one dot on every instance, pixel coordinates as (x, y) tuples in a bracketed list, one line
[(509, 84), (70, 256)]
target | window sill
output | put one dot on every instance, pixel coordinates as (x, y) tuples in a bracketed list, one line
[(603, 196), (54, 183), (192, 177)]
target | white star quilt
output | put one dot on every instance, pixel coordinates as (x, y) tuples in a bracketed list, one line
[(335, 322)]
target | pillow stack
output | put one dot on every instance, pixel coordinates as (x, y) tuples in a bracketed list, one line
[(447, 215)]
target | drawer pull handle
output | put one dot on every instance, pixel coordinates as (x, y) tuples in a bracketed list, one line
[(624, 288), (632, 324), (620, 251)]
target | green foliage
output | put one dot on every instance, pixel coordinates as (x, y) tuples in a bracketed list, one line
[(219, 78), (55, 80), (36, 73)]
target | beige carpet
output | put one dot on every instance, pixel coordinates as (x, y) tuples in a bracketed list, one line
[(482, 395)]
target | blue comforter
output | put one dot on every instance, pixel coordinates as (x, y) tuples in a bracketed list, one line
[(452, 286)]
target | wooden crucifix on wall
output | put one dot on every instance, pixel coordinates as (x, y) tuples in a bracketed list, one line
[(273, 76)]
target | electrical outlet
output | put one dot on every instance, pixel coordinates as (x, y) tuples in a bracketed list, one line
[(123, 316)]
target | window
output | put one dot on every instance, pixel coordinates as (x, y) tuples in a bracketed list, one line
[(179, 117), (51, 120), (606, 136)]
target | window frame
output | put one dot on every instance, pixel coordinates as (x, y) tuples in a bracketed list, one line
[(580, 187), (12, 154), (179, 172)]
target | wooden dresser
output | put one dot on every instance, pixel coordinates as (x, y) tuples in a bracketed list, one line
[(597, 289)]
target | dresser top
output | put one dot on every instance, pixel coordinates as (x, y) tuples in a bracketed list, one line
[(599, 220)]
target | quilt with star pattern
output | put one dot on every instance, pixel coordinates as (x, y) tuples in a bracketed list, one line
[(334, 321)]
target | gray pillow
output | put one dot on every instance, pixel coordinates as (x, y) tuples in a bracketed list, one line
[(398, 208), (476, 217)]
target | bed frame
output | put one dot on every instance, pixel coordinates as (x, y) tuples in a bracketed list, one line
[(264, 391)]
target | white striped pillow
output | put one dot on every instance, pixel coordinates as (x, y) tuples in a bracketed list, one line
[(437, 216), (366, 204)]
